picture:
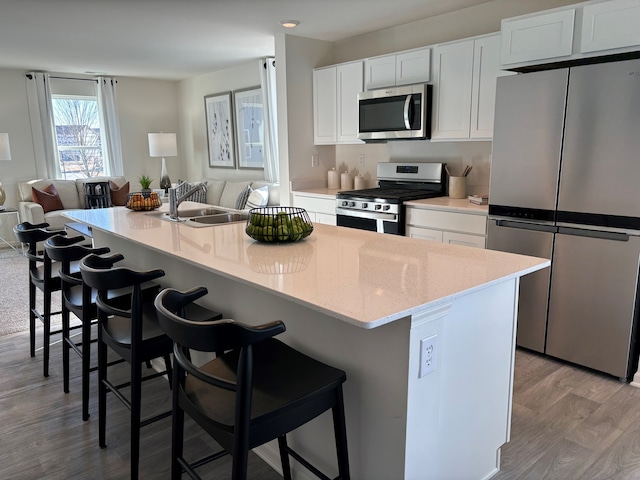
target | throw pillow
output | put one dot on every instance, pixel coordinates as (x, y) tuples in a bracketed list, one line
[(242, 198), (258, 198), (48, 198), (183, 187), (119, 194)]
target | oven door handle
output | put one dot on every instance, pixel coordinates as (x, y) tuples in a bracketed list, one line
[(389, 217)]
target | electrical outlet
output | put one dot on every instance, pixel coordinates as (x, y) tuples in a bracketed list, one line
[(361, 160), (428, 353), (314, 160)]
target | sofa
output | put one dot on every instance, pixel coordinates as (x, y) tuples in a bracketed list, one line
[(222, 193), (71, 194)]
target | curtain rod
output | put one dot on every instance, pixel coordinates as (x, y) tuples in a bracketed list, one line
[(30, 77)]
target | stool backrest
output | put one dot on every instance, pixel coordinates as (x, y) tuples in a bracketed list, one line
[(207, 336)]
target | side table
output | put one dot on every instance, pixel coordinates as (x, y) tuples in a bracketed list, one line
[(5, 215)]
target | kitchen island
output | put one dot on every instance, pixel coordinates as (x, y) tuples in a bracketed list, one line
[(367, 303)]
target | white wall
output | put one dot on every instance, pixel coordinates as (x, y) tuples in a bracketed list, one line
[(193, 131)]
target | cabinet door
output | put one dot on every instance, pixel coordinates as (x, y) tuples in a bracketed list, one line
[(349, 85), (413, 66), (538, 37), (424, 234), (453, 73), (380, 72), (464, 239), (486, 69), (612, 24), (326, 219), (324, 105)]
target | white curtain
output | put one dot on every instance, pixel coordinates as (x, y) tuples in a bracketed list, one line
[(268, 84), (110, 125), (42, 126)]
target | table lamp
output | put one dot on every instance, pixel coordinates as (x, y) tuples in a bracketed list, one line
[(163, 145), (5, 154)]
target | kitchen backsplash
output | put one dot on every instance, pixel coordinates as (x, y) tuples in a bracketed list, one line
[(457, 155)]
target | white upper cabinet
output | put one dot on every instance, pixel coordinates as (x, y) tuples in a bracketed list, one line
[(575, 32), (335, 103), (464, 78), (452, 79), (405, 68), (324, 106), (349, 78), (609, 25), (537, 37)]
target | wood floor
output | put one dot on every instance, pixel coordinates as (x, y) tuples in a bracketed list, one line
[(568, 423)]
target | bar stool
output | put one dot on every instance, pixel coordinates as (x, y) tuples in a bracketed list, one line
[(43, 277), (80, 299), (258, 390), (133, 333)]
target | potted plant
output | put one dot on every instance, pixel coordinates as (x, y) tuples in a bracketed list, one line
[(145, 182)]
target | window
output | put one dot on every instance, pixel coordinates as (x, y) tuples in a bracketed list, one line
[(78, 136)]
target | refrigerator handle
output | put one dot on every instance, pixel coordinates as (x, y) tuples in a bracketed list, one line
[(582, 232), (526, 226)]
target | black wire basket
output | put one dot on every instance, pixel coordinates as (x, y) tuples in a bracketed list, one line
[(278, 224)]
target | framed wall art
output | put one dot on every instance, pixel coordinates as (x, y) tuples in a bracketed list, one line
[(219, 119), (249, 118)]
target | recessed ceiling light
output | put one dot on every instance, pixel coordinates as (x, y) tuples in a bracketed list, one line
[(289, 23)]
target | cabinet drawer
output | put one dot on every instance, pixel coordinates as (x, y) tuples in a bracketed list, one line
[(458, 222), (608, 25), (424, 234), (464, 239), (315, 204), (326, 219)]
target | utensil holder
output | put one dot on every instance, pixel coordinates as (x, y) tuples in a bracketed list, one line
[(457, 187)]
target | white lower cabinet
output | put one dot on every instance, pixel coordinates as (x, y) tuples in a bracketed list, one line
[(453, 227), (321, 208)]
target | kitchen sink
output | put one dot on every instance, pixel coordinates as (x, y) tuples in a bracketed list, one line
[(216, 219)]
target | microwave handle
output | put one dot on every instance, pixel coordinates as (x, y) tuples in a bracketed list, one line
[(407, 105)]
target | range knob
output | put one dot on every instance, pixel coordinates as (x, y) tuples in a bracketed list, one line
[(386, 207), (378, 207), (352, 204), (365, 204), (345, 203)]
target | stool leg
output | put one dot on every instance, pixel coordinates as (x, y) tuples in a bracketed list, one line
[(284, 457), (102, 390), (340, 431), (136, 401), (47, 329), (65, 348), (86, 367), (32, 319), (177, 426)]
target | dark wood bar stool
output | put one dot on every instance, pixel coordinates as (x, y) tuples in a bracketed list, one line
[(258, 390), (133, 333), (80, 299), (43, 276)]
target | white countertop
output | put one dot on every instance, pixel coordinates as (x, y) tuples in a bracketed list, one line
[(364, 278), (315, 192), (449, 204)]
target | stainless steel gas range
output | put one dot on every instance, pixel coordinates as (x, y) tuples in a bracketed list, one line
[(382, 209)]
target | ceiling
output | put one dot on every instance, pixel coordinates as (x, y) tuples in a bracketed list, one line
[(177, 39)]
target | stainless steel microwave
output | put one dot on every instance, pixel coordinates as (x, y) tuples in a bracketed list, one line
[(395, 113)]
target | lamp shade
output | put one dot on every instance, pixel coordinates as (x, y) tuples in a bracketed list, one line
[(163, 145), (5, 151)]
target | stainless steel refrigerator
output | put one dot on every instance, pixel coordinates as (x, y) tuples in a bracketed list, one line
[(565, 185)]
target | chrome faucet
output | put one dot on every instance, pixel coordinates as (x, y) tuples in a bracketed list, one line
[(175, 201)]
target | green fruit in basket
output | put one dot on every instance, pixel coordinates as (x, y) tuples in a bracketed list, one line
[(269, 233), (282, 233)]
